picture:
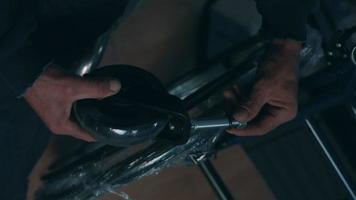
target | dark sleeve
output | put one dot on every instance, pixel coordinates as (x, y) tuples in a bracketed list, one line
[(285, 18), (20, 62)]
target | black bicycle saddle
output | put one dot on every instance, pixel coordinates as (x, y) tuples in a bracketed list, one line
[(142, 110)]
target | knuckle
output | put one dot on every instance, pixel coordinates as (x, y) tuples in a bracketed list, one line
[(257, 99), (247, 109), (292, 112), (249, 106), (262, 88)]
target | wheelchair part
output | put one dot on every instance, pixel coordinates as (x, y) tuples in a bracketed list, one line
[(142, 111)]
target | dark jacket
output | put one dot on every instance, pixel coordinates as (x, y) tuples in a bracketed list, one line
[(22, 61)]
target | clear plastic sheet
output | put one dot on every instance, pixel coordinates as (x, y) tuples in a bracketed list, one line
[(94, 179), (121, 195), (311, 56)]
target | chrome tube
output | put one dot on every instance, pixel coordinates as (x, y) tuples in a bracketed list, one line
[(92, 58), (332, 161), (217, 123)]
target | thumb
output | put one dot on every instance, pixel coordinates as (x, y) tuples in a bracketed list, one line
[(96, 88), (250, 109)]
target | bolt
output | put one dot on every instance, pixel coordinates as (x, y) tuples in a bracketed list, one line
[(330, 53), (338, 45)]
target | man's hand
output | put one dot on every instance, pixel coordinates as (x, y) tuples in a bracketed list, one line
[(54, 92), (273, 99)]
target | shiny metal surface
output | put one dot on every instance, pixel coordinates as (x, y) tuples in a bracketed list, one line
[(199, 78), (93, 57), (217, 123), (353, 55), (210, 173), (352, 110), (192, 83), (332, 161)]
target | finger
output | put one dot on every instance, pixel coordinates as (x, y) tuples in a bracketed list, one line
[(230, 96), (96, 88), (233, 98), (237, 90), (250, 109), (263, 125), (230, 102), (76, 131)]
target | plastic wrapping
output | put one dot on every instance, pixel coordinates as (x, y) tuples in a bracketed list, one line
[(93, 179), (312, 54)]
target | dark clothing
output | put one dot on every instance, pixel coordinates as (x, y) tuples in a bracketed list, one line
[(34, 32), (23, 138), (285, 18), (29, 27), (26, 31), (20, 62)]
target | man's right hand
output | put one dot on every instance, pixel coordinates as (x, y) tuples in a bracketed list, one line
[(54, 92)]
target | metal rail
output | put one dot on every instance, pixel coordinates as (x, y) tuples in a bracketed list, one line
[(216, 123), (215, 181), (332, 161)]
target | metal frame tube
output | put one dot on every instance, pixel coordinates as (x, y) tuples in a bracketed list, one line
[(215, 181), (332, 161)]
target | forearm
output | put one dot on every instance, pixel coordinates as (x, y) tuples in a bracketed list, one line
[(280, 61), (287, 48)]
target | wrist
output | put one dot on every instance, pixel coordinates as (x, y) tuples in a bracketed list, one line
[(281, 60), (286, 46)]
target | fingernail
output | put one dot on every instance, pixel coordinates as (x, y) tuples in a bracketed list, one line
[(115, 86)]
